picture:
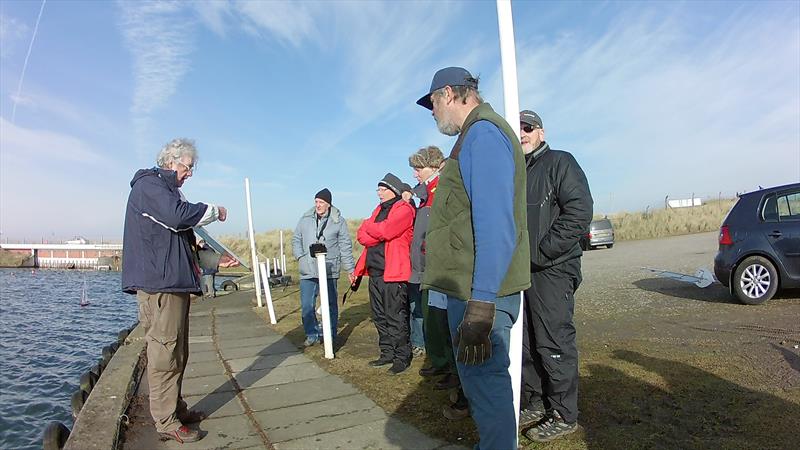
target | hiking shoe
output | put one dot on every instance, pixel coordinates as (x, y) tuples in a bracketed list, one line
[(398, 367), (454, 412), (382, 361), (531, 417), (432, 371), (192, 416), (182, 434), (449, 381), (552, 427), (418, 351), (310, 341)]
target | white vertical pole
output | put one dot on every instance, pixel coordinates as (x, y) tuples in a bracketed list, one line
[(275, 265), (322, 276), (265, 276), (511, 102), (268, 270), (283, 269), (256, 276), (283, 264)]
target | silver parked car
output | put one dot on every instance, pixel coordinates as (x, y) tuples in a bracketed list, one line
[(601, 232)]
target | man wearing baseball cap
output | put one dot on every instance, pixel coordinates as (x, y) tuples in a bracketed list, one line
[(477, 250), (559, 213)]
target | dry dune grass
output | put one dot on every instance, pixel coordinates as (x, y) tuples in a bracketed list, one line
[(627, 226)]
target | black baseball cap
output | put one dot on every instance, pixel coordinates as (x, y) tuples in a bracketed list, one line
[(531, 118), (449, 76)]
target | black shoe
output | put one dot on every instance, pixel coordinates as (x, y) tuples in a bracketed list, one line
[(449, 381), (552, 427), (382, 361), (398, 367), (432, 371)]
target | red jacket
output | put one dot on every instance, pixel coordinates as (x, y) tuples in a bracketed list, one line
[(396, 230)]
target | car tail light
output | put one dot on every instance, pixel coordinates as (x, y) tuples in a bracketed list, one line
[(725, 236), (589, 235)]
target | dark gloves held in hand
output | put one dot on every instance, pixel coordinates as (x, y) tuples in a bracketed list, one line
[(473, 337), (317, 248)]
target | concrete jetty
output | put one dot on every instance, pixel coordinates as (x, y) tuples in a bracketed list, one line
[(260, 391)]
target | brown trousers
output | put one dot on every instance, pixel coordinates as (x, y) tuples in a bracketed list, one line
[(165, 318)]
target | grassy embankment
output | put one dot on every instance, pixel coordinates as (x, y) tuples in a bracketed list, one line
[(10, 259)]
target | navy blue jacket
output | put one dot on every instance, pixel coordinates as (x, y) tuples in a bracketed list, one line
[(157, 254)]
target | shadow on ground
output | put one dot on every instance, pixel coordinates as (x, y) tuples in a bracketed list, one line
[(716, 293), (675, 405)]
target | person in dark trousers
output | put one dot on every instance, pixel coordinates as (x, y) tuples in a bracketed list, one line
[(426, 164), (559, 213), (158, 265), (386, 237), (477, 250)]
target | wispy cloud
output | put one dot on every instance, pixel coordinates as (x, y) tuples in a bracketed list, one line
[(160, 39), (12, 34), (45, 146), (25, 63), (705, 113)]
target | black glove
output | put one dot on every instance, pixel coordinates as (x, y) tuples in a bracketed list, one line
[(473, 337), (317, 248)]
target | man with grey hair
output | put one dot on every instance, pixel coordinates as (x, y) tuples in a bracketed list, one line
[(159, 266), (477, 247)]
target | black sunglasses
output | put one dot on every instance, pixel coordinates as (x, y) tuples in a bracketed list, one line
[(528, 128)]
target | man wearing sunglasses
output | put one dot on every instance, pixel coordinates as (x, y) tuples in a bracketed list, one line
[(559, 213), (159, 267)]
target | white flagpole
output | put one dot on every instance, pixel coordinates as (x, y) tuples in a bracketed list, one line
[(256, 275), (283, 269), (511, 102)]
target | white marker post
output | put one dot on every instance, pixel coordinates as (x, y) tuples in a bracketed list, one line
[(511, 102), (283, 268), (256, 276), (322, 276), (265, 276)]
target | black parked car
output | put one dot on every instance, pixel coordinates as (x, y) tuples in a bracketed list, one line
[(600, 233), (759, 244)]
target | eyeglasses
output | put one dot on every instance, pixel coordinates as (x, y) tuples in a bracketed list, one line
[(189, 168), (528, 128), (381, 189)]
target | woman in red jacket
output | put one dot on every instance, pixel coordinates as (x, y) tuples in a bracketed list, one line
[(386, 236)]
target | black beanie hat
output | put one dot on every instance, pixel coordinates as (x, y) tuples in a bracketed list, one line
[(392, 182), (324, 195)]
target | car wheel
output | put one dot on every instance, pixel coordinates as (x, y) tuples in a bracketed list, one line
[(755, 280), (584, 245), (609, 245)]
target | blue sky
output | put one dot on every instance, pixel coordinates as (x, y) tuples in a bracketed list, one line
[(652, 98)]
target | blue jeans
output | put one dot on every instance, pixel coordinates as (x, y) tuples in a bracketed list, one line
[(309, 289), (488, 386), (415, 315)]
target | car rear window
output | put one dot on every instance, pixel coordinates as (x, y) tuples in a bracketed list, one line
[(602, 224)]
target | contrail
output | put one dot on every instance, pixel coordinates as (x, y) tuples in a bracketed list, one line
[(25, 64)]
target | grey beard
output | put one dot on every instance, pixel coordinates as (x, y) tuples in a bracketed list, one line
[(449, 129)]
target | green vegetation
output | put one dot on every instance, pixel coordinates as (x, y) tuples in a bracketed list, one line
[(11, 259)]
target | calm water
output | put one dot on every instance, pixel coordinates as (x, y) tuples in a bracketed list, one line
[(47, 341)]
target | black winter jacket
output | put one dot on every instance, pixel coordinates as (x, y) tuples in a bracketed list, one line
[(157, 244), (559, 207)]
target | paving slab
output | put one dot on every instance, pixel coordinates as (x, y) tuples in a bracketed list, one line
[(203, 385), (279, 375), (216, 405), (200, 340), (229, 343), (301, 392), (381, 434), (266, 362), (259, 350), (203, 369), (203, 356), (300, 421)]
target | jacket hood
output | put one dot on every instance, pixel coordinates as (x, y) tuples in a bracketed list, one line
[(170, 176), (334, 213)]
